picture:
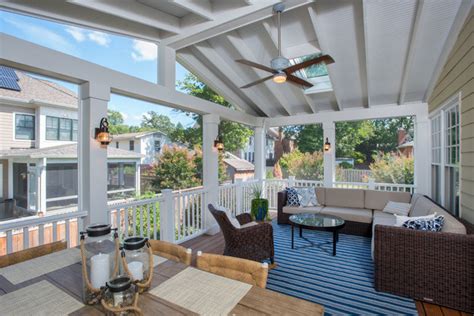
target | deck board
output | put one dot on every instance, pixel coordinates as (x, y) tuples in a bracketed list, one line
[(215, 244)]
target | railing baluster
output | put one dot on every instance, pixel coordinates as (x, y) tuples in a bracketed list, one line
[(126, 221), (141, 207), (67, 232), (148, 235), (155, 226), (9, 241), (134, 210), (26, 237), (41, 234), (118, 219), (55, 231)]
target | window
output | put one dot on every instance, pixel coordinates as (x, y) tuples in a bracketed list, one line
[(24, 126), (116, 144), (445, 152), (61, 129), (157, 146), (132, 145)]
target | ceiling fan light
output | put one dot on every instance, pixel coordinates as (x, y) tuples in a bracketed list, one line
[(279, 77)]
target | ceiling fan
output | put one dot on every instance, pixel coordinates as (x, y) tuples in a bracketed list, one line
[(280, 67)]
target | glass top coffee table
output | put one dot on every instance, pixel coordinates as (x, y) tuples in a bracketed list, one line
[(316, 222)]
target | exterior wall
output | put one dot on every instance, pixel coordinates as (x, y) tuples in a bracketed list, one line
[(7, 127), (44, 111), (457, 75), (144, 145), (249, 152)]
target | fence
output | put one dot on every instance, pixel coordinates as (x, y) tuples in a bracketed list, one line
[(353, 175)]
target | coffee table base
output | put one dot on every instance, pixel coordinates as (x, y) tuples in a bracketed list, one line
[(335, 239)]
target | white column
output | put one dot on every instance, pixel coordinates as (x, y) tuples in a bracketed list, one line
[(137, 178), (422, 154), (329, 132), (210, 167), (166, 66), (167, 218), (41, 196), (259, 149), (92, 155)]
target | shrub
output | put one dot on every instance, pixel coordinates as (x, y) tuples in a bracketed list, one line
[(307, 166), (393, 168)]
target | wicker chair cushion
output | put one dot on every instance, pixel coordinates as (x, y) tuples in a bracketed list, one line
[(298, 209), (352, 198), (377, 200), (397, 208), (228, 213)]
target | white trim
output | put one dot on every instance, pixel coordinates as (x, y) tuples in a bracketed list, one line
[(14, 127)]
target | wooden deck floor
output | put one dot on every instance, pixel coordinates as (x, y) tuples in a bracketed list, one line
[(215, 244)]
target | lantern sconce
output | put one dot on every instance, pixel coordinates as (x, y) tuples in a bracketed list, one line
[(219, 144), (327, 145), (102, 134)]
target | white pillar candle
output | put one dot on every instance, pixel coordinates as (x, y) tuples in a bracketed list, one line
[(136, 269), (100, 270)]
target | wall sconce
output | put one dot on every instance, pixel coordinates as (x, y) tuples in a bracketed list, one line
[(102, 134), (327, 145), (219, 144)]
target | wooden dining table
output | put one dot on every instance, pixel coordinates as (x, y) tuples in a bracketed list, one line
[(257, 301)]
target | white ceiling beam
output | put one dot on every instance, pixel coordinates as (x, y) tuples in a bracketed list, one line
[(296, 92), (200, 69), (246, 53), (352, 114), (228, 21), (203, 8), (322, 42), (133, 11), (225, 69), (366, 43), (463, 13), (34, 58), (411, 52)]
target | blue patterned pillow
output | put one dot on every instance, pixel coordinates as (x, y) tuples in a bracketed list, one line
[(434, 225), (292, 197)]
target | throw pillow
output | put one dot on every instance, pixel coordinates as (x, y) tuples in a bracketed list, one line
[(292, 197), (433, 225), (228, 213), (307, 197), (397, 208), (401, 219)]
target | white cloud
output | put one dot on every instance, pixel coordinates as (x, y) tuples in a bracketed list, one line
[(124, 115), (77, 33), (144, 51), (99, 38)]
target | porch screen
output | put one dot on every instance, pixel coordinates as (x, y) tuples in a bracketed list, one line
[(121, 179), (61, 185)]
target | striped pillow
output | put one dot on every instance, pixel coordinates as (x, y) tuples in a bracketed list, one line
[(397, 208)]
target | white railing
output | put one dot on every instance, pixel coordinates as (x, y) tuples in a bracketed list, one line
[(353, 175), (188, 214), (137, 217), (371, 185), (27, 232)]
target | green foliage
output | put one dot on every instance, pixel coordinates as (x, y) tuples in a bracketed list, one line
[(257, 191), (351, 134), (345, 165), (393, 168), (157, 122), (305, 166), (116, 125), (175, 169)]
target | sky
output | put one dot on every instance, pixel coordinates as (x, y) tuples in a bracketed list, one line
[(134, 57)]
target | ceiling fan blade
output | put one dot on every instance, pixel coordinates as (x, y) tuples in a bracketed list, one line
[(322, 59), (256, 82), (252, 64), (298, 81)]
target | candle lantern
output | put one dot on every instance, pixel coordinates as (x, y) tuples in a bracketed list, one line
[(121, 297), (137, 261), (100, 260)]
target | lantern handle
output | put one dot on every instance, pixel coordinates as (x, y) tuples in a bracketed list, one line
[(146, 284)]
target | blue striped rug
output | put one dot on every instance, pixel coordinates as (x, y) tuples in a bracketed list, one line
[(342, 284)]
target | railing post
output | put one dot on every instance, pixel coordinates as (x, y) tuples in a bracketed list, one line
[(371, 184), (167, 218), (291, 181), (238, 196)]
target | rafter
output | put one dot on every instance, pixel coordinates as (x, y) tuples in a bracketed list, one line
[(226, 22), (203, 8), (411, 52), (133, 11), (207, 52), (322, 41), (366, 45)]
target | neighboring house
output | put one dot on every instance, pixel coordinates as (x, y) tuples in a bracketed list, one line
[(248, 153), (238, 168), (38, 146), (148, 144), (405, 143)]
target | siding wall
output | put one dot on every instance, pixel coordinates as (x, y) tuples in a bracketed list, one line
[(458, 75), (7, 129)]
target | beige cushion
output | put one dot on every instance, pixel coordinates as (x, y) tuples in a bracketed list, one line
[(397, 208), (352, 198), (376, 200), (451, 224), (248, 224), (422, 207), (349, 214), (320, 193), (298, 210), (415, 197)]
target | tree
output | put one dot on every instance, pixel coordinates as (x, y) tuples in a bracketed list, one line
[(116, 125), (155, 121), (234, 135), (351, 134), (393, 168), (306, 166), (310, 138)]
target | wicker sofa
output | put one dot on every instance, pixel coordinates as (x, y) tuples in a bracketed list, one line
[(436, 267)]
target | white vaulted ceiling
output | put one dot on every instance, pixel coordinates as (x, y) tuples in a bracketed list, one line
[(385, 52)]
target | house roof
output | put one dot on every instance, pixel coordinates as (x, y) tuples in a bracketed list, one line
[(237, 163), (407, 144), (40, 90), (136, 135), (64, 152)]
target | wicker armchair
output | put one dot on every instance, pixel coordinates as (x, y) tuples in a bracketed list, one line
[(253, 242)]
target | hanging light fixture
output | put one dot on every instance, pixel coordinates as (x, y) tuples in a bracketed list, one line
[(327, 145), (102, 134), (279, 77)]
